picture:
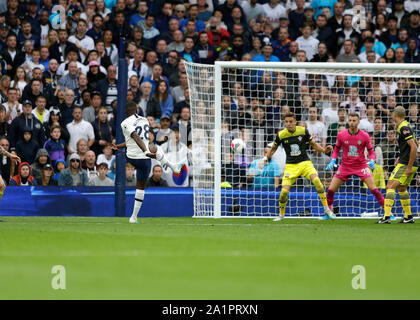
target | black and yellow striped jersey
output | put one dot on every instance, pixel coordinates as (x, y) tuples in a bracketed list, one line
[(405, 133), (295, 144)]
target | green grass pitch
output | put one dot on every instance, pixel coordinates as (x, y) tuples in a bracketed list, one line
[(186, 258)]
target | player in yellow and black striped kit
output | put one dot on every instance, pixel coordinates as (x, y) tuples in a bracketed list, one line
[(295, 141), (405, 170)]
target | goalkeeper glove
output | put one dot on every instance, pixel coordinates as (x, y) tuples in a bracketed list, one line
[(330, 166), (372, 164)]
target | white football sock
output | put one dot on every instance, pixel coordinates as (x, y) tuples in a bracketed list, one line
[(138, 201)]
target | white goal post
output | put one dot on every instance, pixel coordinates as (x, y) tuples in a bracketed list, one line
[(241, 99)]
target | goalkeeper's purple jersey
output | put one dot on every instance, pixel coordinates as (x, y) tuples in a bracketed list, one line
[(353, 148)]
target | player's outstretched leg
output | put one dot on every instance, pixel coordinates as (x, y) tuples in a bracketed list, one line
[(175, 167), (283, 202), (321, 193), (405, 202)]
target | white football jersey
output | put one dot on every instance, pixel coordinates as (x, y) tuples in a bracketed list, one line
[(136, 123)]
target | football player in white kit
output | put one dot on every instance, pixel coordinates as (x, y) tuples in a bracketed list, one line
[(136, 133)]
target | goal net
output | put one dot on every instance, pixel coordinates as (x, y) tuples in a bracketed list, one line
[(248, 100)]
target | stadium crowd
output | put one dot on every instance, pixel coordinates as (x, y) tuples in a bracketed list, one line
[(58, 85)]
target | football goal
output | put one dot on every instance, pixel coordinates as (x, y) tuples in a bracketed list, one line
[(248, 101)]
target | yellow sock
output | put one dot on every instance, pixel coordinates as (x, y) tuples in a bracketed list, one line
[(283, 201), (321, 191), (389, 201), (405, 202)]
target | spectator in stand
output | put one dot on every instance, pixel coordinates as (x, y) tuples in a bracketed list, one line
[(336, 21), (163, 97), (66, 108), (142, 9), (26, 119), (12, 107), (7, 166), (137, 65), (94, 75), (353, 104), (164, 16), (333, 128), (413, 25), (13, 56), (379, 134), (178, 91), (307, 42), (402, 40), (156, 179), (171, 68), (27, 148), (101, 180), (24, 177), (50, 75), (89, 164), (4, 125), (120, 28), (324, 33), (156, 76), (41, 159), (177, 42), (111, 50), (263, 174), (74, 175), (399, 55), (346, 33), (82, 41), (184, 126), (367, 124), (40, 112), (189, 54), (150, 33), (322, 55), (70, 80), (389, 148), (26, 34), (215, 32), (412, 54), (193, 16), (148, 104), (267, 54), (130, 176), (20, 80), (106, 155), (59, 50), (368, 44), (81, 149), (206, 52), (318, 131), (96, 32), (297, 16), (183, 103), (281, 46), (104, 131), (55, 145), (47, 177), (389, 55), (79, 129), (108, 87)]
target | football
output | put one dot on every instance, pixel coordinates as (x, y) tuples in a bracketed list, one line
[(237, 145)]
